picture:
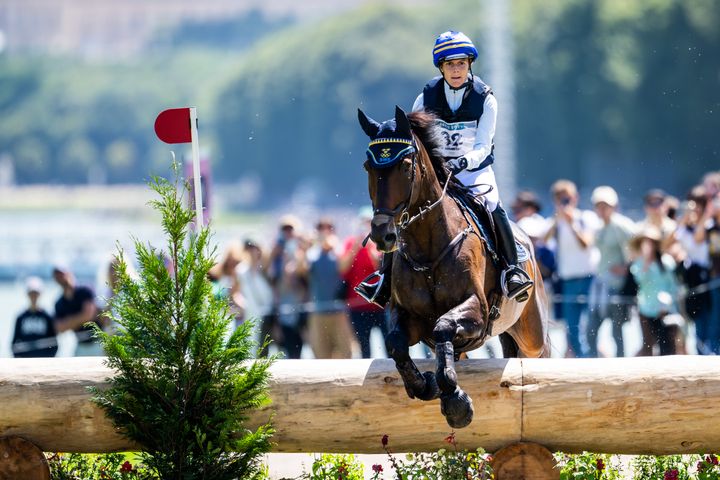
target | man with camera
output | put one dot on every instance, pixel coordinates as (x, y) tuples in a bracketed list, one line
[(573, 232)]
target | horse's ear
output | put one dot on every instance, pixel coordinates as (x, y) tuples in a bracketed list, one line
[(402, 122), (369, 126)]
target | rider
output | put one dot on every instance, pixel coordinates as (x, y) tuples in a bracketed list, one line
[(467, 111)]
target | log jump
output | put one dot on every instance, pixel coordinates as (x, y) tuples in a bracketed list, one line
[(651, 405)]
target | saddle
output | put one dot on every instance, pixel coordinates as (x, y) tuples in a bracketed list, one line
[(477, 214)]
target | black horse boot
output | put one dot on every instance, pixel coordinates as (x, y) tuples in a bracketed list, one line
[(515, 281), (376, 286)]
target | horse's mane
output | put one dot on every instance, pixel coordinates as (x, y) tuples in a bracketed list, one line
[(423, 125)]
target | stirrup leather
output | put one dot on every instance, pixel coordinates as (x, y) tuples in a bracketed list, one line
[(369, 289), (522, 289)]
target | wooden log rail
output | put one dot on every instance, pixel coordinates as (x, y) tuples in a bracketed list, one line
[(658, 405)]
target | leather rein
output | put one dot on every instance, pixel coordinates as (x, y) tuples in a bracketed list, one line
[(406, 220)]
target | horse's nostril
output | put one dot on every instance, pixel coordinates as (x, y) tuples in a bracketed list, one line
[(390, 238)]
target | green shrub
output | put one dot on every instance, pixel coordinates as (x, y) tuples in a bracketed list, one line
[(182, 391)]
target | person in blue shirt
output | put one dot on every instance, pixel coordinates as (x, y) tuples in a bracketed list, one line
[(466, 111)]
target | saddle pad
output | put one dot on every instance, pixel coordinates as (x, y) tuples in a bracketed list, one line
[(482, 222), (523, 254)]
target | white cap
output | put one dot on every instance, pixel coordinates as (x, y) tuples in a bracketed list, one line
[(34, 284), (605, 194)]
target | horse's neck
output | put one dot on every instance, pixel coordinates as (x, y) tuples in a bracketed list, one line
[(431, 234)]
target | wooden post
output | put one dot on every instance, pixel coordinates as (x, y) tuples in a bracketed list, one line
[(525, 460), (20, 459)]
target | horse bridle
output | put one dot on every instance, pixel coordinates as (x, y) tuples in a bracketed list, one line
[(405, 219)]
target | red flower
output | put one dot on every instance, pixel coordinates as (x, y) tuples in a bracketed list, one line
[(384, 440), (600, 464), (700, 466), (377, 468), (451, 439), (126, 467), (671, 474), (711, 459)]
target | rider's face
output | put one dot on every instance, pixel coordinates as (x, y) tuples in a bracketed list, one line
[(455, 71)]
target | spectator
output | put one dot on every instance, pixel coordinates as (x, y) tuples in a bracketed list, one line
[(356, 263), (573, 231), (257, 293), (672, 205), (695, 267), (654, 202), (34, 330), (656, 208), (657, 288), (289, 284), (711, 183), (224, 277), (74, 310), (328, 325), (612, 242), (526, 211), (710, 233)]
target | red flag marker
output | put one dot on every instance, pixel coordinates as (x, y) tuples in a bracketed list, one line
[(179, 125), (173, 125)]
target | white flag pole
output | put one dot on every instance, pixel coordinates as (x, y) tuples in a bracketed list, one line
[(196, 168)]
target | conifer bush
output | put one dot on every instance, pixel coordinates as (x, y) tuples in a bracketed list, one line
[(181, 390)]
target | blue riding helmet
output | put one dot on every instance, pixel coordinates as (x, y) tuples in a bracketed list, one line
[(451, 45)]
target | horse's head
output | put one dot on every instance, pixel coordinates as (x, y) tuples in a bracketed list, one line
[(391, 164)]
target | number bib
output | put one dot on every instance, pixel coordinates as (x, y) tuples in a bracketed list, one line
[(457, 138)]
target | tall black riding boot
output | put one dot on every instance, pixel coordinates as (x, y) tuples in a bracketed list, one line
[(515, 282), (376, 286)]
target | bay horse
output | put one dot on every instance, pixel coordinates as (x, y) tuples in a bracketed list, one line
[(443, 282)]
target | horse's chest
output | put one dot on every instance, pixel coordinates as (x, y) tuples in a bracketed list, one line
[(427, 293)]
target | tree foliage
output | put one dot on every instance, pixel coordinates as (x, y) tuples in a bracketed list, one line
[(606, 91), (181, 389)]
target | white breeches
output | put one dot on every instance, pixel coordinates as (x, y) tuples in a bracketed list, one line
[(482, 181)]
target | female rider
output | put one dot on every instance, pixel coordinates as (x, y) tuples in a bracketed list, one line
[(467, 113)]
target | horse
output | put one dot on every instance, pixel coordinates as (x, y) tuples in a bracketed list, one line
[(444, 284)]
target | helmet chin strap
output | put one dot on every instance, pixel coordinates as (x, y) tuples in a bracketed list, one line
[(467, 83)]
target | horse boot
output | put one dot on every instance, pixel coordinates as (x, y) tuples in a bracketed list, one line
[(375, 288), (514, 281)]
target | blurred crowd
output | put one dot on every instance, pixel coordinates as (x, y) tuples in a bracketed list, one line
[(597, 265), (602, 266)]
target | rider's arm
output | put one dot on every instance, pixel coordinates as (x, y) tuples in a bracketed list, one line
[(485, 133), (419, 103)]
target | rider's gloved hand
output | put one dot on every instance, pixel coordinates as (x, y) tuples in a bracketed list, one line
[(457, 165)]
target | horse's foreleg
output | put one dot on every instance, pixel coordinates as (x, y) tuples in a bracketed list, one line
[(463, 321), (417, 385)]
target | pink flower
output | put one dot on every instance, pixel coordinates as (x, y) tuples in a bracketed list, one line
[(385, 440), (671, 474), (377, 468)]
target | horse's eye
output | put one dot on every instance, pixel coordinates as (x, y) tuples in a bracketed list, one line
[(407, 164)]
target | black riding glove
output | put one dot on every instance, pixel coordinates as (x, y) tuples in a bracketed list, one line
[(457, 165)]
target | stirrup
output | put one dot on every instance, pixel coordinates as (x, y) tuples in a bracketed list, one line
[(522, 289), (370, 287)]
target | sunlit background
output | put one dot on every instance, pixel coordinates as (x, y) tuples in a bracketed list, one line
[(599, 92)]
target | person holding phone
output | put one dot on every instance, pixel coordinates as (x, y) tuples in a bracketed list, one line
[(573, 232)]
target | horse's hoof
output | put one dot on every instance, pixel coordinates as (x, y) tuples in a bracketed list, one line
[(457, 408), (431, 391)]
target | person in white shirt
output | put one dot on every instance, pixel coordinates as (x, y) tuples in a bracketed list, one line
[(612, 241), (573, 231)]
